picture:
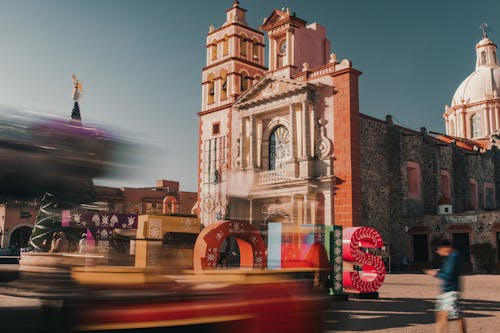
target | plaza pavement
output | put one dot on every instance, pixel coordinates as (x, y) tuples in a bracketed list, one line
[(406, 305)]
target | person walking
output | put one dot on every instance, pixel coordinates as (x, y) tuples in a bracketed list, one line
[(447, 305)]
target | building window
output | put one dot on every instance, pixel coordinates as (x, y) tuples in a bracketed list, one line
[(216, 128), (279, 147), (483, 58), (475, 126), (244, 81), (473, 194), (223, 91), (445, 184), (489, 196), (211, 89), (225, 46), (243, 46), (255, 50), (214, 160), (413, 170), (214, 50)]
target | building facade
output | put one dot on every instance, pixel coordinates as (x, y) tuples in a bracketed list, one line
[(287, 143)]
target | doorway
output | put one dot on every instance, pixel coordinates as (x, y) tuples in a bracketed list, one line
[(20, 237), (461, 244), (420, 248)]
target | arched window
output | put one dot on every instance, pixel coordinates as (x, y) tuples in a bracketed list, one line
[(244, 81), (255, 49), (279, 147), (483, 58), (495, 58), (214, 49), (211, 89), (225, 45), (475, 126), (243, 46), (223, 91)]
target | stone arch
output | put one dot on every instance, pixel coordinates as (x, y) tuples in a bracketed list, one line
[(169, 204), (19, 234), (209, 241)]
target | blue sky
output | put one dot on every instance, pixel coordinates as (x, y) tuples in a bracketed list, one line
[(140, 62)]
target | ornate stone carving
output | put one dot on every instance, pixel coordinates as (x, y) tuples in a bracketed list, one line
[(323, 145), (237, 159)]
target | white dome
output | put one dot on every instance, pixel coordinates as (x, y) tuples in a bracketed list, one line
[(483, 83)]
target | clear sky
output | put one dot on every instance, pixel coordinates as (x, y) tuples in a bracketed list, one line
[(140, 61)]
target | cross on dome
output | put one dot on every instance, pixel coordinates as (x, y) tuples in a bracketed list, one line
[(484, 28)]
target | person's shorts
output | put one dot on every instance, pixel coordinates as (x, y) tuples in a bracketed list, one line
[(449, 302)]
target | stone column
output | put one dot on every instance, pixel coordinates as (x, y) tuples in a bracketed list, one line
[(466, 128), (259, 144), (242, 143), (497, 118), (312, 126), (305, 131), (292, 209), (486, 125), (306, 216), (250, 210), (292, 132), (251, 141)]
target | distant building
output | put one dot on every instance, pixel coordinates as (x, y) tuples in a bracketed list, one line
[(17, 218), (16, 222), (165, 197)]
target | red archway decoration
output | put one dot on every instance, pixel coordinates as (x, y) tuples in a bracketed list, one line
[(206, 248)]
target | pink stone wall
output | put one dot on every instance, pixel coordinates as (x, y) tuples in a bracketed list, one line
[(311, 46)]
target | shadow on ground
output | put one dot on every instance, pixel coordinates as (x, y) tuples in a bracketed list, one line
[(385, 313)]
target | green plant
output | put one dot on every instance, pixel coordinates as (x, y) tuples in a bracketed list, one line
[(484, 256)]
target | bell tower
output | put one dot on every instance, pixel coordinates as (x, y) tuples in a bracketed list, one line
[(292, 43), (234, 62)]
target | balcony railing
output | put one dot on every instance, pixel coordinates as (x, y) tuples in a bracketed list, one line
[(275, 176)]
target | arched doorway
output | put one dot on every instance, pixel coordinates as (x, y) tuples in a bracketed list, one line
[(20, 237), (248, 242)]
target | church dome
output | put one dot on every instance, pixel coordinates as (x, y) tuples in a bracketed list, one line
[(483, 83)]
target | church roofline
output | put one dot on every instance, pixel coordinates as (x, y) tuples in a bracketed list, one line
[(236, 5), (284, 17), (263, 82), (236, 24)]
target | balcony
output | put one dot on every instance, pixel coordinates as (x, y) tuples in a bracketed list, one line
[(275, 176)]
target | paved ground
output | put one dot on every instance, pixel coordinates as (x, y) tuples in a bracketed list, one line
[(406, 305)]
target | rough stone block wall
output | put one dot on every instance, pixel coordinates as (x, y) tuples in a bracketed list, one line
[(385, 152)]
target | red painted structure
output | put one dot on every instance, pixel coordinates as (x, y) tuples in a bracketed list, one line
[(209, 241)]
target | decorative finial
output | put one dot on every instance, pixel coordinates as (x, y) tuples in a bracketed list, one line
[(484, 28), (77, 91), (77, 88)]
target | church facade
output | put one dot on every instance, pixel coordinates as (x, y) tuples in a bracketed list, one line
[(266, 134), (287, 143)]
